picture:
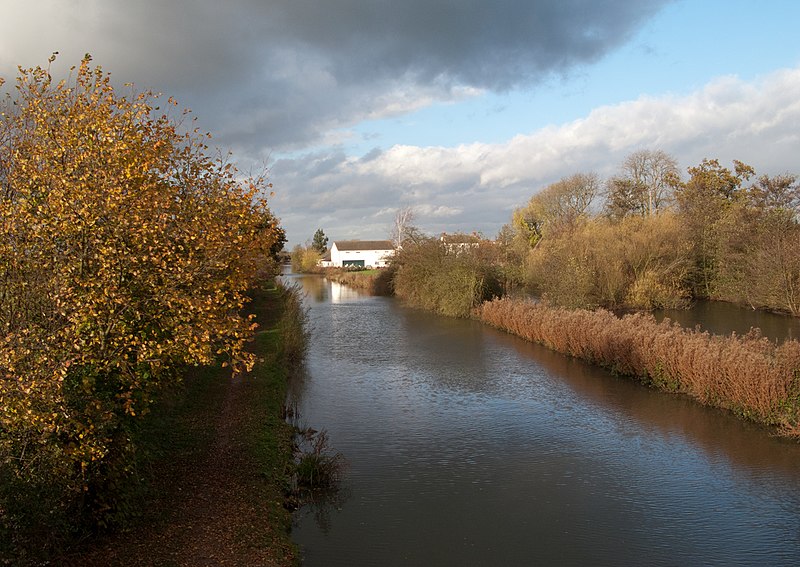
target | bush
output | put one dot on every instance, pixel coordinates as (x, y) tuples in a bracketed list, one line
[(635, 263), (432, 276), (305, 260)]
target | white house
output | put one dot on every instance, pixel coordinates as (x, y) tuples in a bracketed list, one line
[(364, 253)]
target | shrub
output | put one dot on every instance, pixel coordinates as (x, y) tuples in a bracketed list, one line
[(430, 275), (637, 262), (305, 259)]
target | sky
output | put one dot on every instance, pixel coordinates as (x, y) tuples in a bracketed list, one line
[(459, 109)]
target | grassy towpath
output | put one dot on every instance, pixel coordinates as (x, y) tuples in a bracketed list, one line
[(222, 472)]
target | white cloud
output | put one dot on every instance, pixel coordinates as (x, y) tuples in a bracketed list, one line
[(475, 186)]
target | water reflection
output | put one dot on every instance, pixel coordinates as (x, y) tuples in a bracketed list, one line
[(717, 432), (467, 446), (342, 294), (718, 317)]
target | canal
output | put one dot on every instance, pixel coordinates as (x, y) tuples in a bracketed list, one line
[(467, 446)]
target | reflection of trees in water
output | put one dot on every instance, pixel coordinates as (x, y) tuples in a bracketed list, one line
[(323, 504), (296, 388), (747, 446), (316, 288), (313, 285)]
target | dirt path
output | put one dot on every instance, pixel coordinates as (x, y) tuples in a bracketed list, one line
[(214, 512), (219, 492)]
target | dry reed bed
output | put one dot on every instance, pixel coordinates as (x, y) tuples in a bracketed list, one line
[(748, 375)]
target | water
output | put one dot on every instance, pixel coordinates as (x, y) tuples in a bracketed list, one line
[(467, 446), (718, 317)]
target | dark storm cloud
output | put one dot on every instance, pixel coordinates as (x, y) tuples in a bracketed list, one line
[(492, 45), (282, 74)]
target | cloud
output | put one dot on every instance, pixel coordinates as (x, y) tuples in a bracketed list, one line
[(280, 75), (270, 77), (476, 186)]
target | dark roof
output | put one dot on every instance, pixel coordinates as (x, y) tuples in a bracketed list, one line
[(327, 256), (364, 245)]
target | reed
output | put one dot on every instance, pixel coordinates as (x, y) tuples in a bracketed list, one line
[(749, 375), (293, 326)]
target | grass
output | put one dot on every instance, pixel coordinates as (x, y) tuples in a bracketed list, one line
[(317, 466), (215, 440)]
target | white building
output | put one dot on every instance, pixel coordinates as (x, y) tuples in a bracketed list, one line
[(363, 253), (459, 242), (325, 261)]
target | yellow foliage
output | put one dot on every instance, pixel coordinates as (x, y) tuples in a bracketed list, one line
[(125, 253)]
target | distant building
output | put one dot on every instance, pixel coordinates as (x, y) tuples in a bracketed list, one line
[(325, 261), (459, 242), (362, 253)]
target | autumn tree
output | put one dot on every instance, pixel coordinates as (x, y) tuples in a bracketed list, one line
[(305, 259), (759, 246), (636, 262), (126, 251), (703, 201), (513, 249)]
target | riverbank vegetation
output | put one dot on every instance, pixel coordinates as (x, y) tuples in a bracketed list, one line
[(377, 281), (446, 279), (749, 375), (305, 260), (650, 239), (126, 257), (220, 461), (644, 239)]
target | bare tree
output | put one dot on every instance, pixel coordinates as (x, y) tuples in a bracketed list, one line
[(648, 174), (403, 226), (558, 207)]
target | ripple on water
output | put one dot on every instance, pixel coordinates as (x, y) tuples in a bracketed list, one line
[(469, 447)]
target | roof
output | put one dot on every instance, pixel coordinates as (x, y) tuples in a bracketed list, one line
[(327, 256), (460, 238), (343, 245)]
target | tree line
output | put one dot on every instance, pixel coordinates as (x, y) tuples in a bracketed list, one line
[(648, 238)]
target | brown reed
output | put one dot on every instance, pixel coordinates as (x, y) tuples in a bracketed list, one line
[(749, 375)]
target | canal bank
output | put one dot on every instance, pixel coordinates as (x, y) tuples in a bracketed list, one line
[(221, 467)]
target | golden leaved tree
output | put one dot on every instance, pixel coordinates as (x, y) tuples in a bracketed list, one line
[(125, 253)]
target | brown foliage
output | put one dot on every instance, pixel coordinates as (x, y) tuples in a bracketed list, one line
[(639, 262), (746, 374)]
